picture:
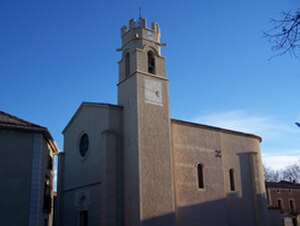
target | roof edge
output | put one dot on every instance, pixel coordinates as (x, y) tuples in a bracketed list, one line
[(25, 124), (219, 129), (282, 184), (90, 104), (29, 126)]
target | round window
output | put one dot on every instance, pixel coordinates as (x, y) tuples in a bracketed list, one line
[(84, 145)]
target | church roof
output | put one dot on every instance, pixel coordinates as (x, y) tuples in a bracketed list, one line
[(218, 129), (91, 104), (13, 122)]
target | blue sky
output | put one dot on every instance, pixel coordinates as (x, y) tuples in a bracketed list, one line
[(56, 54)]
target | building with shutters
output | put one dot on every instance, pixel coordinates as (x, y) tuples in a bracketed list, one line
[(27, 172), (285, 196)]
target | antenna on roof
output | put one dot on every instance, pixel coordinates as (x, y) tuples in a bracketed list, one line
[(140, 12)]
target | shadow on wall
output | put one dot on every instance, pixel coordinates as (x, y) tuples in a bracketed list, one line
[(214, 213), (247, 209)]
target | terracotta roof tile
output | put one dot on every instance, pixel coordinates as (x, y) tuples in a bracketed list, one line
[(9, 120)]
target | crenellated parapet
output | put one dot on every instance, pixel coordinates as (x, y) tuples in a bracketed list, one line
[(138, 30)]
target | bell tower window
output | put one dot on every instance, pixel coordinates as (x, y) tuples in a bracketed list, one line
[(151, 62), (127, 65)]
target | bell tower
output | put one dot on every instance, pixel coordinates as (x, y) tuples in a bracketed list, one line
[(143, 94)]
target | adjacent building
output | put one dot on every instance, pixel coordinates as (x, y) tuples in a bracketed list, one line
[(27, 170), (285, 196), (130, 164)]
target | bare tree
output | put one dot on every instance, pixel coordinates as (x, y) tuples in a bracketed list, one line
[(285, 34), (292, 173), (271, 175)]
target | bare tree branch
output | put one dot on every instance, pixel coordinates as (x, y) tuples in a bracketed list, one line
[(271, 175), (290, 173), (285, 34)]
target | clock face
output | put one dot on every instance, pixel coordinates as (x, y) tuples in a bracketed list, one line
[(150, 35), (153, 92)]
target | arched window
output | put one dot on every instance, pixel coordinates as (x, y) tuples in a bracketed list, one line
[(292, 206), (127, 64), (231, 180), (151, 62), (200, 176)]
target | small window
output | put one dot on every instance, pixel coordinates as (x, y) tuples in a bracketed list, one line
[(292, 205), (151, 62), (127, 65), (279, 203), (231, 180), (200, 176), (278, 190), (83, 218)]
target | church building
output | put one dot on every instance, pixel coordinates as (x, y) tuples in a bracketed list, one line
[(130, 164)]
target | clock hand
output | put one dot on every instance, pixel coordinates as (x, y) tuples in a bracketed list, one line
[(157, 93)]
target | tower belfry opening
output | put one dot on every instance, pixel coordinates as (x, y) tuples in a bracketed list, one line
[(151, 62), (141, 50)]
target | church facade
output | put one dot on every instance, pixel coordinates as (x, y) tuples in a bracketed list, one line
[(131, 164)]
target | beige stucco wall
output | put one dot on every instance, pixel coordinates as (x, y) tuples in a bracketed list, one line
[(148, 174), (156, 164), (130, 146), (215, 204), (193, 146), (95, 175)]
